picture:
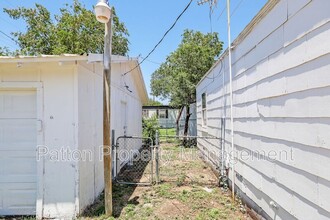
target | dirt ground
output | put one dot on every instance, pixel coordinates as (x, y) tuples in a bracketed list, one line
[(188, 190)]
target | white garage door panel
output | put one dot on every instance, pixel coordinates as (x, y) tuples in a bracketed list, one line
[(18, 104), (19, 133), (19, 166), (17, 202), (18, 141)]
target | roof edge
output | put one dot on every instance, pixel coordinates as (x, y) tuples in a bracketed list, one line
[(141, 86), (90, 58)]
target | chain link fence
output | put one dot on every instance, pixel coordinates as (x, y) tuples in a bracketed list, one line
[(134, 160), (139, 162), (182, 151)]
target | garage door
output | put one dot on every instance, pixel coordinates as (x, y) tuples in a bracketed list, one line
[(18, 141)]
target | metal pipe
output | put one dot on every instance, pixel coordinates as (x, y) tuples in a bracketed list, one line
[(157, 157), (113, 153), (204, 137), (231, 100), (223, 124)]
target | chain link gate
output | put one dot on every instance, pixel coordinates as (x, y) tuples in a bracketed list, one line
[(134, 160), (174, 151), (139, 162)]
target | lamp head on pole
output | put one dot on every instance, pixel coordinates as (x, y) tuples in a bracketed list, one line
[(103, 11)]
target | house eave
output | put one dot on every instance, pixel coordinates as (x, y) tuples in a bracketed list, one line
[(89, 58)]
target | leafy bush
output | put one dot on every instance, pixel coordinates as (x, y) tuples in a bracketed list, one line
[(150, 126)]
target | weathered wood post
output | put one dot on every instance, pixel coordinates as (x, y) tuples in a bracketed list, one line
[(107, 160)]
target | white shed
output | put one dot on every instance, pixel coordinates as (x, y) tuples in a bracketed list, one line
[(281, 110), (51, 130)]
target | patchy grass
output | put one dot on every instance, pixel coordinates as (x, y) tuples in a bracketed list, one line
[(168, 131), (17, 217), (188, 190)]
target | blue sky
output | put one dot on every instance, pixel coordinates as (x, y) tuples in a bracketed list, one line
[(147, 21)]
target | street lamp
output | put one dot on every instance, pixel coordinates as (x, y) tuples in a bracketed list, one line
[(103, 11), (104, 15)]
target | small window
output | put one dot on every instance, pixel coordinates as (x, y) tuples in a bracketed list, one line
[(163, 114), (204, 116), (145, 113)]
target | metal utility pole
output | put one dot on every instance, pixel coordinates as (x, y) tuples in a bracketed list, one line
[(231, 100), (231, 90)]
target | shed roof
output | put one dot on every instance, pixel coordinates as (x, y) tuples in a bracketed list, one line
[(64, 57), (158, 107), (89, 58)]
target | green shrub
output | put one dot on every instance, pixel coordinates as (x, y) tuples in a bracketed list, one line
[(150, 126)]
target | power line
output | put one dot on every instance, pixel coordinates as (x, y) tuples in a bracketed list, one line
[(219, 73), (237, 6), (222, 12), (210, 17), (5, 20), (9, 37), (10, 4), (6, 42), (160, 41), (233, 12), (151, 61)]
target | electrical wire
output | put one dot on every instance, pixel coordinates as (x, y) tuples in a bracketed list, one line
[(154, 62), (6, 43), (12, 41), (237, 6), (6, 21), (222, 12), (210, 18), (233, 12), (160, 41), (213, 4), (11, 4), (125, 85), (9, 37), (219, 73)]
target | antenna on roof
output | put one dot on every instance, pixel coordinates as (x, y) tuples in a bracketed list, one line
[(212, 2)]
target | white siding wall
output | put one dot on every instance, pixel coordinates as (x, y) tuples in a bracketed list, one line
[(121, 98), (59, 128), (90, 132), (72, 115), (281, 90)]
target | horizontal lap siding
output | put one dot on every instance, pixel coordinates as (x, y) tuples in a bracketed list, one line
[(281, 91)]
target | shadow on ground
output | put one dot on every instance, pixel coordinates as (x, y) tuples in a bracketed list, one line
[(189, 190), (133, 174)]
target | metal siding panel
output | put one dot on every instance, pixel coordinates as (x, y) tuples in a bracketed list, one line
[(313, 15), (279, 96)]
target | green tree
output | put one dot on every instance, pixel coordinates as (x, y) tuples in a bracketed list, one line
[(152, 102), (177, 77), (4, 51), (74, 30)]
